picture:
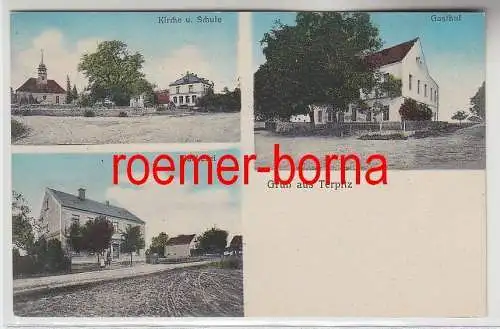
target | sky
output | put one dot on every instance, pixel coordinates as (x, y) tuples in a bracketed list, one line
[(455, 52), (174, 209), (171, 49)]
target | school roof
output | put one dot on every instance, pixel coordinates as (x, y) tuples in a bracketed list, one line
[(189, 78), (51, 87), (236, 241), (74, 202), (390, 55), (180, 239)]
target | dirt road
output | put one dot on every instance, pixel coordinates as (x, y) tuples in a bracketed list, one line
[(176, 293)]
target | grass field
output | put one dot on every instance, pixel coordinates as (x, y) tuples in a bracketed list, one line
[(206, 127)]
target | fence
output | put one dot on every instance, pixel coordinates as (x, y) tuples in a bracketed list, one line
[(81, 111), (353, 128)]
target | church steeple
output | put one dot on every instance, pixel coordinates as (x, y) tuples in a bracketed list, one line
[(42, 71)]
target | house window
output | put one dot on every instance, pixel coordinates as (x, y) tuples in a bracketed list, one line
[(425, 90), (175, 99), (177, 89), (320, 116), (190, 88), (329, 116), (194, 98), (181, 99), (47, 204), (386, 77), (44, 97), (431, 94), (75, 219), (436, 97), (354, 114), (410, 80), (385, 113), (418, 87), (115, 227), (369, 116), (57, 99)]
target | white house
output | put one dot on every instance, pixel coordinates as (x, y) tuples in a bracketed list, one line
[(185, 91), (137, 101), (404, 61), (180, 246), (41, 90), (60, 210)]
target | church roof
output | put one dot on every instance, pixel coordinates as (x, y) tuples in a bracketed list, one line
[(390, 55), (51, 87), (189, 78)]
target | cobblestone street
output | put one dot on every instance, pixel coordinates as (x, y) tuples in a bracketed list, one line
[(175, 293)]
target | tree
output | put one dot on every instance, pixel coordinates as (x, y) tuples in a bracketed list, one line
[(74, 93), (23, 226), (213, 240), (69, 95), (413, 111), (320, 60), (75, 237), (96, 235), (158, 244), (114, 73), (478, 102), (386, 86), (460, 116), (132, 240)]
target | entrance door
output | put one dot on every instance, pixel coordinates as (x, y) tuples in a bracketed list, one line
[(116, 250)]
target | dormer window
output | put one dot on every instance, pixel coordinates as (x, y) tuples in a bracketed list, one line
[(177, 89), (190, 88)]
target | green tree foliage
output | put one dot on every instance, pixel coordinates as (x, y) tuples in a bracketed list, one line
[(158, 244), (319, 60), (74, 93), (411, 110), (227, 101), (69, 95), (213, 241), (75, 237), (96, 235), (478, 102), (114, 73), (23, 226), (385, 86), (132, 240), (460, 116)]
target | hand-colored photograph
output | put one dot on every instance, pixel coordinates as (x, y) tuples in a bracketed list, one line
[(85, 247), (124, 77), (407, 85)]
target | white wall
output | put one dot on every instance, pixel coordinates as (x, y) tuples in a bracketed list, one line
[(49, 217), (419, 71), (49, 98), (177, 251)]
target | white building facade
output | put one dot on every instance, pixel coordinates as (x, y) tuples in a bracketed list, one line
[(405, 62), (180, 246), (185, 91), (60, 210)]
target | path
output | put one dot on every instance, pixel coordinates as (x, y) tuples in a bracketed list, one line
[(31, 285)]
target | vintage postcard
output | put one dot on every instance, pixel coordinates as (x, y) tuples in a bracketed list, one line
[(343, 82), (90, 240), (124, 77)]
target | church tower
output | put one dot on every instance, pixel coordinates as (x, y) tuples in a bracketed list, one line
[(42, 72)]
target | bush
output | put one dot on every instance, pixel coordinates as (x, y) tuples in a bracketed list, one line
[(231, 262), (413, 111), (44, 257), (89, 113), (17, 129), (123, 114)]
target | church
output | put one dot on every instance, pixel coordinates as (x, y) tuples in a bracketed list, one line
[(41, 90)]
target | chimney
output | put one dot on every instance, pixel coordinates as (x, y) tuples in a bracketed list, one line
[(81, 194)]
